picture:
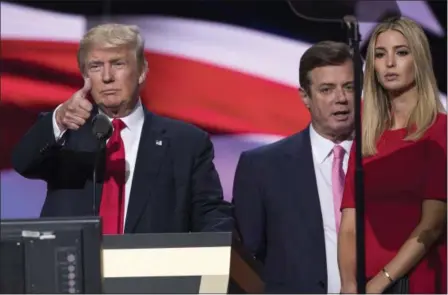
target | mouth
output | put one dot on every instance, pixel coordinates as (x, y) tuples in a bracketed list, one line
[(391, 77), (109, 91), (341, 115)]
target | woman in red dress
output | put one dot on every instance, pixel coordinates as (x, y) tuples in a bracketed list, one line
[(404, 147)]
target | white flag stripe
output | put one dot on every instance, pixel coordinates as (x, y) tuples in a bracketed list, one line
[(249, 51), (26, 23), (253, 52), (443, 99)]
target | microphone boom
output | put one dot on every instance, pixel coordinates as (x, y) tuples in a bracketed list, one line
[(102, 130)]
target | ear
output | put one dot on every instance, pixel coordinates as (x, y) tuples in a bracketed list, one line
[(305, 97), (142, 77)]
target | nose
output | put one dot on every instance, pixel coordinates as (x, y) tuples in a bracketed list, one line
[(390, 60), (107, 75), (341, 95)]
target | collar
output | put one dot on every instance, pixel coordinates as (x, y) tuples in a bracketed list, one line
[(135, 118), (323, 147)]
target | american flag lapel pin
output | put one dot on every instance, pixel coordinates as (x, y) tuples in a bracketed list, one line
[(159, 142)]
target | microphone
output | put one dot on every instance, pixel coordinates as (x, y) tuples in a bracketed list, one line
[(102, 130), (102, 127), (352, 29)]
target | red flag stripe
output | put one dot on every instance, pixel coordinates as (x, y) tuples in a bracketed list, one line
[(39, 75), (198, 92)]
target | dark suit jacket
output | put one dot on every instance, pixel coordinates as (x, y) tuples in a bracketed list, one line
[(278, 215), (175, 186)]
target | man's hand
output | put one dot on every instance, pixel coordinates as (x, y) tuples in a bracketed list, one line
[(74, 112)]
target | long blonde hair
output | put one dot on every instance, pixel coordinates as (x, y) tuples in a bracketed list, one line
[(376, 114)]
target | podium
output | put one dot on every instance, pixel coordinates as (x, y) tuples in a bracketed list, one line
[(70, 255), (178, 263)]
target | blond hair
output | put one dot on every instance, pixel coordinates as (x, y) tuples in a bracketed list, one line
[(376, 114), (112, 35)]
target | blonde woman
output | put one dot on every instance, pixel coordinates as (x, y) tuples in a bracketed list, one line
[(404, 147)]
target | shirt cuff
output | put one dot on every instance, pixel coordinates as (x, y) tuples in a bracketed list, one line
[(58, 133)]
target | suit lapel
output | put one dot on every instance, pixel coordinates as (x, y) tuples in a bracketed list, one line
[(303, 184), (150, 155)]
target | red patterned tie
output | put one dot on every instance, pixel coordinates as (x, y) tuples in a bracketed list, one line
[(112, 197)]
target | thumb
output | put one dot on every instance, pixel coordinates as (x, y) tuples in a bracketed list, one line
[(86, 88)]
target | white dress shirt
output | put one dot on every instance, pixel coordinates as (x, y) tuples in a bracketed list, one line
[(131, 138), (323, 158)]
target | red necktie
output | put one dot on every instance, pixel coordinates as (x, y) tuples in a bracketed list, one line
[(112, 197)]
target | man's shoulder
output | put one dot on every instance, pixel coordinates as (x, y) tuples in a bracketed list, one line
[(279, 147), (176, 128)]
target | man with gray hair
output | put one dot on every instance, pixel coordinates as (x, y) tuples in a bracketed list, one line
[(155, 174), (287, 194)]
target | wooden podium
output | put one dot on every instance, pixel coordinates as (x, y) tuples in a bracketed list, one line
[(178, 263)]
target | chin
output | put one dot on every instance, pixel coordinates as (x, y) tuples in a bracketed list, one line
[(343, 127), (112, 102), (395, 87)]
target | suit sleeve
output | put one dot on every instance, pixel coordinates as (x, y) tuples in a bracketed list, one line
[(33, 156), (211, 213), (249, 207), (348, 199)]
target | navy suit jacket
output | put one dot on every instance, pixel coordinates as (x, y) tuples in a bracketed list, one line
[(278, 215), (175, 188)]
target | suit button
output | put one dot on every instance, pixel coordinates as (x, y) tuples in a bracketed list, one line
[(321, 284)]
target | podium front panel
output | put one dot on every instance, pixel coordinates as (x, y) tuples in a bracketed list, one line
[(167, 263)]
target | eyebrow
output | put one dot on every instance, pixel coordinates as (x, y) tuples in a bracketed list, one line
[(395, 47), (117, 59), (111, 60), (94, 62), (326, 84)]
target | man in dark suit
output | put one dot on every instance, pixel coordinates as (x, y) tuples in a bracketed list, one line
[(155, 174), (287, 194)]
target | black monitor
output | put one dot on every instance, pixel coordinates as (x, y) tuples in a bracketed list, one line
[(51, 255)]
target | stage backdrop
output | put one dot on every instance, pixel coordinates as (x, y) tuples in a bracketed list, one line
[(235, 81)]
